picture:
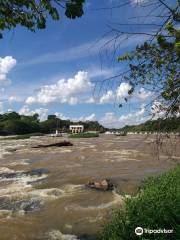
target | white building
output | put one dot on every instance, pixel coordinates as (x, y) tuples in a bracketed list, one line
[(76, 128)]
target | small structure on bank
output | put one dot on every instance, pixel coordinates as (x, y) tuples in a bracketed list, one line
[(76, 128)]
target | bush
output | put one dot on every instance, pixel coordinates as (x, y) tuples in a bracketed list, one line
[(156, 206), (84, 135)]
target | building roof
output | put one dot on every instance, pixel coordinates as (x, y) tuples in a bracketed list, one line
[(76, 126)]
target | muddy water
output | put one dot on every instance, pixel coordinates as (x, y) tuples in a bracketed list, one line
[(43, 193)]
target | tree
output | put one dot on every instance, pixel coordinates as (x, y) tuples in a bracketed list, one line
[(155, 64), (33, 14), (51, 117), (9, 116)]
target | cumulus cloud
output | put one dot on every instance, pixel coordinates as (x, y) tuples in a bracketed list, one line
[(25, 110), (108, 97), (91, 117), (143, 94), (13, 99), (120, 93), (63, 91), (158, 109), (112, 120), (122, 90), (6, 64)]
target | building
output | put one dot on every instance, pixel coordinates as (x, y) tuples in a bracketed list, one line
[(76, 128)]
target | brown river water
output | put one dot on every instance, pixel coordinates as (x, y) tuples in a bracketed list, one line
[(42, 191)]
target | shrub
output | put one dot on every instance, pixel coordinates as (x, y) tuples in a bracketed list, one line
[(156, 206)]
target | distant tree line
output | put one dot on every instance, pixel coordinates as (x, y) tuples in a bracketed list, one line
[(14, 123), (159, 125)]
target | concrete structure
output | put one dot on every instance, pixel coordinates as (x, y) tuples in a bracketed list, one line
[(76, 128)]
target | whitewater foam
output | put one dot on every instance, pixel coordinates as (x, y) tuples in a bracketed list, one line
[(57, 235)]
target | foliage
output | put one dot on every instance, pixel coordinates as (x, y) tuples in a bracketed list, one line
[(156, 206), (13, 123), (155, 65), (84, 135), (159, 125), (33, 14)]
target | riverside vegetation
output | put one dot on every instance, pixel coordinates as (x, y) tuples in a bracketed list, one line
[(13, 123), (156, 206)]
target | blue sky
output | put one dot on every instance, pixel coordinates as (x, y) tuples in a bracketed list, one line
[(55, 70)]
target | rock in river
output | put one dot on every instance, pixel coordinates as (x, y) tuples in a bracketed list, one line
[(58, 144), (104, 185)]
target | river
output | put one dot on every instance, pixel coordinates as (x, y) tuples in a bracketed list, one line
[(42, 191)]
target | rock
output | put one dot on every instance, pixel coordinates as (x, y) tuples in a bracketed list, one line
[(104, 185), (58, 144), (27, 205)]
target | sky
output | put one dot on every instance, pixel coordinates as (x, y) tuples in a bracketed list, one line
[(61, 70)]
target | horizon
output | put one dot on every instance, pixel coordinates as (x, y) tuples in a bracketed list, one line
[(54, 71)]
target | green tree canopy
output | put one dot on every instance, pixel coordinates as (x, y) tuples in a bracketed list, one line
[(157, 65), (33, 14)]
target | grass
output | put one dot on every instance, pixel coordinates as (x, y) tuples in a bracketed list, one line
[(83, 135), (156, 206), (24, 136)]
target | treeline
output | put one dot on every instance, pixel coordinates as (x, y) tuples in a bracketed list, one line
[(159, 125), (13, 123)]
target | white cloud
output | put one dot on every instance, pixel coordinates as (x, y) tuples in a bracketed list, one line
[(122, 90), (108, 97), (91, 100), (25, 110), (138, 1), (6, 64), (158, 110), (112, 120), (61, 116), (91, 117), (13, 99), (143, 94), (64, 91), (120, 93)]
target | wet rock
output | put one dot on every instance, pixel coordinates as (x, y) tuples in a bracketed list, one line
[(37, 172), (26, 205), (10, 175), (58, 144), (104, 185), (19, 174)]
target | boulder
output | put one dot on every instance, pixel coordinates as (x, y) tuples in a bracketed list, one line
[(103, 185)]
